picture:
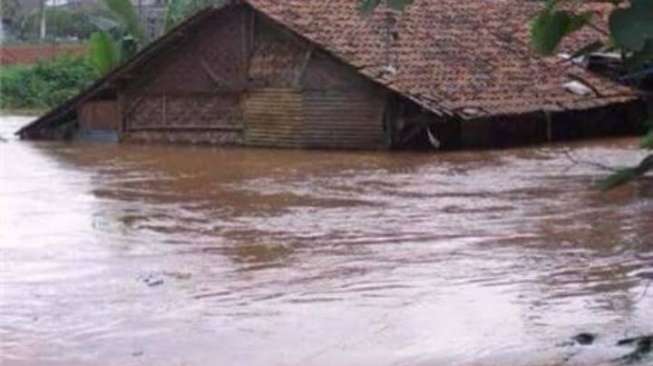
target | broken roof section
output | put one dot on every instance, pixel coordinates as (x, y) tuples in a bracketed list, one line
[(468, 58)]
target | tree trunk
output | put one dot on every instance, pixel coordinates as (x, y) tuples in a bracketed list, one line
[(43, 28)]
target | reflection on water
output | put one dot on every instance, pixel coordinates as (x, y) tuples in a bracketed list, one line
[(169, 255)]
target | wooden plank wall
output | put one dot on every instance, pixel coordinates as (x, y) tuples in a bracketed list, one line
[(343, 120), (302, 97), (274, 118), (99, 115), (286, 117)]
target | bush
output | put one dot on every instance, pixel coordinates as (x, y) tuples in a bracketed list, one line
[(45, 84)]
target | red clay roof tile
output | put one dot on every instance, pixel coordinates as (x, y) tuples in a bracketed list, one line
[(447, 55)]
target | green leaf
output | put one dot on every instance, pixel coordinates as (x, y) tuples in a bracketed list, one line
[(550, 26), (638, 59), (128, 47), (617, 179), (647, 141), (631, 27), (578, 21), (399, 4), (367, 6), (103, 52), (175, 12), (626, 175), (125, 13)]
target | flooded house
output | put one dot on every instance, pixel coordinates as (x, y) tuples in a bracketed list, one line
[(319, 74)]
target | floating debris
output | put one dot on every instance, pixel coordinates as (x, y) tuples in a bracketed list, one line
[(156, 279), (643, 347), (153, 281), (584, 339), (178, 275)]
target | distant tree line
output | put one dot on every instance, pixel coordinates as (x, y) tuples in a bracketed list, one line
[(114, 31), (121, 34), (32, 20)]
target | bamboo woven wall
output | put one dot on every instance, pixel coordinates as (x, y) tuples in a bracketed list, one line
[(197, 85), (240, 73)]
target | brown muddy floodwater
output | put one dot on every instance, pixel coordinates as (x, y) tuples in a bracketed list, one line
[(170, 255)]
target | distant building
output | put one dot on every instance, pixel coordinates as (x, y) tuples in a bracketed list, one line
[(27, 6), (10, 16), (152, 15)]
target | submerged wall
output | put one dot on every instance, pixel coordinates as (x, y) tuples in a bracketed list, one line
[(505, 131), (192, 93), (99, 115), (239, 78), (301, 97)]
